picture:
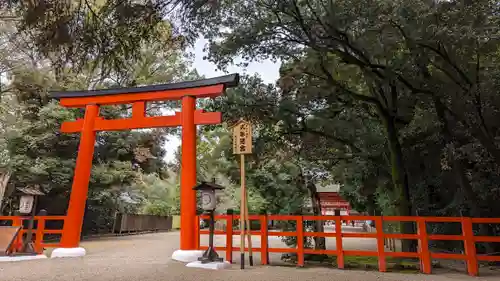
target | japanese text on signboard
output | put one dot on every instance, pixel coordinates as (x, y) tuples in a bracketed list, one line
[(242, 138)]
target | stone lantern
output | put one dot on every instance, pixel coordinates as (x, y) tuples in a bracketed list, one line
[(28, 197), (209, 205)]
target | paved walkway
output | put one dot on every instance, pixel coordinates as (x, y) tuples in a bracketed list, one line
[(147, 257)]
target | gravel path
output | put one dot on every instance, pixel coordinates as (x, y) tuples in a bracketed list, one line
[(147, 257)]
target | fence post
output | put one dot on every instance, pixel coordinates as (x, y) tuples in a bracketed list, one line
[(264, 253), (425, 256), (17, 221), (338, 242), (229, 235), (300, 241), (470, 246), (197, 232), (379, 226), (40, 226)]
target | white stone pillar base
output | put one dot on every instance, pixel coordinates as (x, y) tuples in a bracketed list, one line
[(187, 255), (210, 265), (22, 258), (68, 252)]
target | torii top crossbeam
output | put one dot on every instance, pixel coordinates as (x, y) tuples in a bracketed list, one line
[(172, 91), (188, 118), (138, 97)]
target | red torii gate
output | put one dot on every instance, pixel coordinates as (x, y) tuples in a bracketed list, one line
[(188, 118)]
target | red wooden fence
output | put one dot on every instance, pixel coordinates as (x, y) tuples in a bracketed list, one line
[(424, 254), (39, 232)]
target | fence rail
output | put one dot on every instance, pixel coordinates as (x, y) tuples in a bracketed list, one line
[(123, 223), (425, 256), (39, 230)]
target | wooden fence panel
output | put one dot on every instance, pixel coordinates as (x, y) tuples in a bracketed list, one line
[(139, 223)]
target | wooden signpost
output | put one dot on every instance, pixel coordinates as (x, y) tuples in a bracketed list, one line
[(242, 144)]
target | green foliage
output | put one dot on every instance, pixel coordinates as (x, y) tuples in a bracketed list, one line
[(162, 196), (396, 100), (111, 33), (129, 173), (158, 208)]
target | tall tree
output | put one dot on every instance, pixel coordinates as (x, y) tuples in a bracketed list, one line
[(111, 33), (376, 57), (39, 154)]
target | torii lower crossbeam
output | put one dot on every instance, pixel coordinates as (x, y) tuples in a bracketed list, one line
[(141, 122)]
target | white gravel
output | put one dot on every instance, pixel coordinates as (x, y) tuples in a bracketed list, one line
[(147, 257)]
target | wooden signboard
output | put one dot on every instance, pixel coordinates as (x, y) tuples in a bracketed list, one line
[(7, 236), (242, 138), (242, 144)]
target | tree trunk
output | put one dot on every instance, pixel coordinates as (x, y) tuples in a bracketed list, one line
[(399, 178), (4, 180), (371, 206), (319, 242)]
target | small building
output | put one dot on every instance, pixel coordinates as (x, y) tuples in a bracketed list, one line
[(332, 202)]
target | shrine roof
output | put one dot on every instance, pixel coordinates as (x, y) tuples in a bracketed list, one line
[(30, 190), (208, 186), (229, 81)]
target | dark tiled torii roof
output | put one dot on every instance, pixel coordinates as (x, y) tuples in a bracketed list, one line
[(229, 81)]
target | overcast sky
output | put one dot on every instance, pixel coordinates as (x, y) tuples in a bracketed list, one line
[(267, 70)]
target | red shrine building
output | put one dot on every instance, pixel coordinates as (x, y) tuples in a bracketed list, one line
[(332, 202)]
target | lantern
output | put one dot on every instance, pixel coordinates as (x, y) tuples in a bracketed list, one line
[(208, 200), (209, 204), (26, 204)]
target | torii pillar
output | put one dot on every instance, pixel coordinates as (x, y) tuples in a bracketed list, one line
[(188, 119)]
